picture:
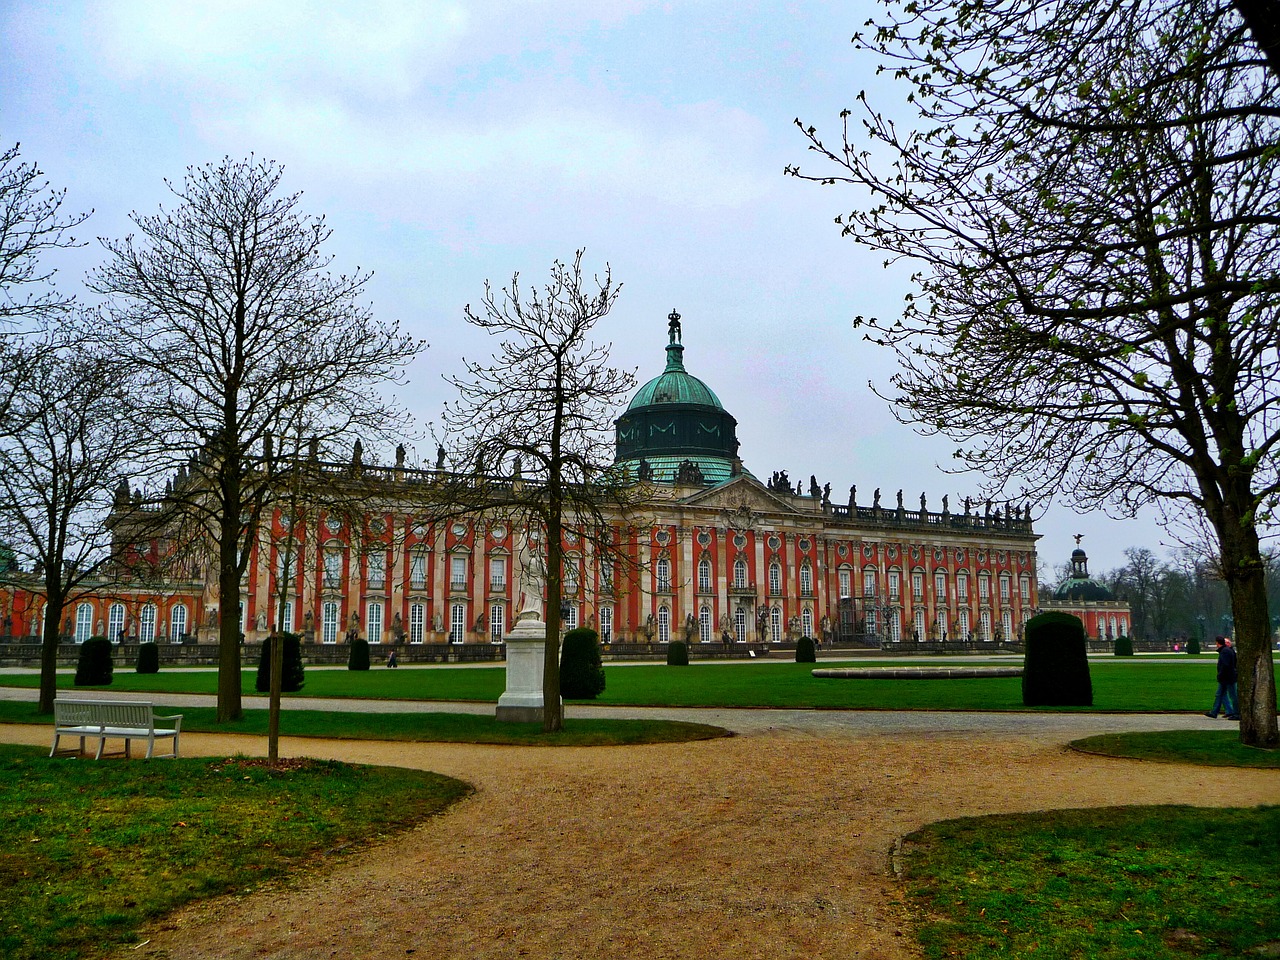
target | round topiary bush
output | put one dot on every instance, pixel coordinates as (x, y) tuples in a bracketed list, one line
[(581, 673), (94, 668), (148, 658), (1193, 646), (805, 651), (358, 658), (1055, 671), (1124, 646), (291, 678), (677, 654)]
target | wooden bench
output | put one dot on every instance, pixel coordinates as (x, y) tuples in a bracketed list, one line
[(116, 719)]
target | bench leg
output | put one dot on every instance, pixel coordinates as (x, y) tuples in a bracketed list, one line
[(102, 743)]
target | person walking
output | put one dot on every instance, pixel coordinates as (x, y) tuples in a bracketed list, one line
[(1226, 696)]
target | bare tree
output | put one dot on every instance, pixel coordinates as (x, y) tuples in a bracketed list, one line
[(61, 460), (531, 428), (228, 306), (1091, 204)]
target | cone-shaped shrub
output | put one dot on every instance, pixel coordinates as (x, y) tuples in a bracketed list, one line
[(1055, 671), (805, 652), (677, 654), (291, 678), (1193, 646), (94, 667), (148, 658), (1124, 646), (358, 658), (581, 674)]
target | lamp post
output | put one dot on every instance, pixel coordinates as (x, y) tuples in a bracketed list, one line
[(1200, 618)]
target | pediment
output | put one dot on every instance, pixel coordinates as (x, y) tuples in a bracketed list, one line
[(741, 499)]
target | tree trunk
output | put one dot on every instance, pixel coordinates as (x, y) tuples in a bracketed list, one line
[(49, 650), (229, 681), (1245, 573)]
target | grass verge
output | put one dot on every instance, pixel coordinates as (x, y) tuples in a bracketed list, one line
[(1157, 883), (91, 851), (1214, 748), (421, 727), (1123, 685)]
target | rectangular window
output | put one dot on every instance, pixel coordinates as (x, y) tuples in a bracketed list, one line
[(457, 622), (376, 567), (287, 563), (606, 624), (704, 576), (332, 569), (868, 583), (917, 586), (329, 622), (498, 574), (1004, 589), (571, 577), (740, 574), (417, 622), (664, 575), (871, 621), (962, 586), (373, 621), (606, 576), (775, 580), (806, 581), (895, 585), (497, 622), (846, 583), (571, 616), (457, 573), (1024, 588), (418, 570), (984, 588), (940, 586), (286, 618)]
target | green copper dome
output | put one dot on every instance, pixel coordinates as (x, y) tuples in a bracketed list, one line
[(675, 429), (1079, 586)]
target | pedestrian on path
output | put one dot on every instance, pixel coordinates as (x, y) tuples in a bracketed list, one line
[(1226, 696)]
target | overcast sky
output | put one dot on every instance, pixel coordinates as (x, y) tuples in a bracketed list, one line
[(450, 143)]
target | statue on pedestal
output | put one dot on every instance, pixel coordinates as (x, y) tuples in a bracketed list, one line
[(533, 573)]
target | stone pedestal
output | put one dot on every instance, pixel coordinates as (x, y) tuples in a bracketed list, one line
[(526, 649)]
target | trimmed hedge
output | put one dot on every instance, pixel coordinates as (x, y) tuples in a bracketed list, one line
[(1193, 646), (1055, 670), (1124, 646), (581, 672), (805, 651), (94, 668), (677, 654), (291, 679), (358, 658), (148, 658)]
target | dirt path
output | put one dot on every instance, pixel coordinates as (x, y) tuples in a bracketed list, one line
[(771, 844)]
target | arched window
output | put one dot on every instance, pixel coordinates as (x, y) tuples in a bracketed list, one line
[(84, 622), (115, 622), (871, 620), (775, 579), (662, 570), (918, 624), (1006, 621), (329, 622), (962, 623), (457, 622), (147, 624), (895, 625), (740, 624), (740, 574), (806, 581), (664, 624), (606, 624), (984, 629), (286, 617), (806, 622), (373, 621), (177, 622), (845, 577), (704, 575), (417, 622), (942, 624), (571, 576), (497, 622), (775, 624), (704, 624)]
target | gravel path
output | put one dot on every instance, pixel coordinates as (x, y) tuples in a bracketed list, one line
[(774, 843)]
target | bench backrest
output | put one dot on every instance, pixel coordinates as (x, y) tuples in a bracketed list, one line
[(116, 713)]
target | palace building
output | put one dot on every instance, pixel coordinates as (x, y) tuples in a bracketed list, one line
[(717, 555)]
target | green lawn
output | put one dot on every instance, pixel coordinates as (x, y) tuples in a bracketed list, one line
[(91, 851), (1135, 685), (1157, 883), (1218, 748)]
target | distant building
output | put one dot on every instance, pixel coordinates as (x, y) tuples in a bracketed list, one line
[(1105, 616), (716, 555)]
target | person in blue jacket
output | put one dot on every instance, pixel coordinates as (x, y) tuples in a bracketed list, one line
[(1226, 696)]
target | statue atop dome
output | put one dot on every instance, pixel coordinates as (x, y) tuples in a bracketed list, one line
[(673, 327)]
